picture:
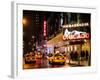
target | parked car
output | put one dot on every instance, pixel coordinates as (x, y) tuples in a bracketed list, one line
[(30, 58), (38, 55)]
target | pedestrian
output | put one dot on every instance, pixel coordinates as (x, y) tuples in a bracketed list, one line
[(76, 55), (71, 55), (82, 55), (87, 55)]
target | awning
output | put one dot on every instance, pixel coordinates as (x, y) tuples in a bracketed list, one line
[(56, 39)]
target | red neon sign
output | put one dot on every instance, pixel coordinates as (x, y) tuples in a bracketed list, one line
[(44, 28)]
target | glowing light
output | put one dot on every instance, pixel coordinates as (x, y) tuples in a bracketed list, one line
[(71, 48), (24, 21), (68, 49), (44, 28), (76, 25), (69, 25), (75, 48), (72, 25), (78, 36)]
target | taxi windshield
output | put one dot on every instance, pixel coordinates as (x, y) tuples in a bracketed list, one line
[(57, 55)]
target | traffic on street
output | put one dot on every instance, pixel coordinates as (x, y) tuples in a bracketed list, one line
[(50, 61), (56, 39)]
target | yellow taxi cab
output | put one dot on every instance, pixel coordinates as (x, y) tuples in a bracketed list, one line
[(30, 58), (38, 55), (57, 58)]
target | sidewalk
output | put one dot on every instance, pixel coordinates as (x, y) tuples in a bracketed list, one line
[(77, 63)]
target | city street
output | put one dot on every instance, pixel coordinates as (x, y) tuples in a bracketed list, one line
[(43, 63), (48, 37)]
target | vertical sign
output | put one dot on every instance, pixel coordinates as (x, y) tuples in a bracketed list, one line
[(44, 24)]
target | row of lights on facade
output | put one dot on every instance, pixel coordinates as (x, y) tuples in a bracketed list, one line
[(76, 25)]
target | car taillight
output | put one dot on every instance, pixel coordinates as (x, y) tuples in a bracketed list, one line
[(60, 58), (64, 57)]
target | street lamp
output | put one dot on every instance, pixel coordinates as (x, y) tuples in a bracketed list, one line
[(24, 21)]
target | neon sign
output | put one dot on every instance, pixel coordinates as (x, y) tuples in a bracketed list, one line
[(75, 35), (78, 36), (44, 28)]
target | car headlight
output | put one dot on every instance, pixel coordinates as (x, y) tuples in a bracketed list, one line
[(55, 58)]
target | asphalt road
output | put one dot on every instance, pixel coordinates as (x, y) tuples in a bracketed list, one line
[(43, 63)]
